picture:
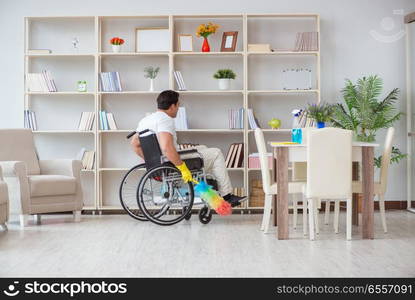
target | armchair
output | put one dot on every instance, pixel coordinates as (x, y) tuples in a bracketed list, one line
[(4, 202), (45, 186)]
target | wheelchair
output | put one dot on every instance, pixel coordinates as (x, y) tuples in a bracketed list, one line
[(154, 191)]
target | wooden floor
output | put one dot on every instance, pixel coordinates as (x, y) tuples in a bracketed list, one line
[(116, 245)]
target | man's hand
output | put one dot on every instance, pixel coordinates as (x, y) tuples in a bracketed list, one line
[(186, 174)]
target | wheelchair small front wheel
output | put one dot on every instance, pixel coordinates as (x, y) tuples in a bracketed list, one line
[(205, 215), (162, 191), (189, 215)]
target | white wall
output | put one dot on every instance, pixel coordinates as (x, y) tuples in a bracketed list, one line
[(348, 49)]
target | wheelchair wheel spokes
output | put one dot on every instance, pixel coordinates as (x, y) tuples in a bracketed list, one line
[(162, 194), (128, 192)]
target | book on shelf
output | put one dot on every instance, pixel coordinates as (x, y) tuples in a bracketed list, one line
[(40, 82), (306, 41), (238, 191), (236, 118), (30, 119), (88, 159), (39, 51), (86, 123), (253, 122), (304, 120), (110, 81), (254, 163), (181, 119), (179, 80), (235, 156), (107, 121)]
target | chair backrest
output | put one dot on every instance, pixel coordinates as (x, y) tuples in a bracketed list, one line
[(18, 144), (329, 163), (263, 160), (151, 149), (386, 159)]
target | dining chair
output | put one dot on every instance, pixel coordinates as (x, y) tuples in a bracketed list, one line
[(329, 172), (381, 185), (271, 189)]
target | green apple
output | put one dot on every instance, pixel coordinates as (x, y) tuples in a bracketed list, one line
[(274, 123)]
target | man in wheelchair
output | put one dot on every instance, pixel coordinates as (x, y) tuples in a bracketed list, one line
[(162, 123)]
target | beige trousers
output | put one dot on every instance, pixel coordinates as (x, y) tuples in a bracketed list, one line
[(215, 165)]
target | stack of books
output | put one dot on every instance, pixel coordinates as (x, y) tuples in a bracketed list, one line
[(30, 120), (305, 121), (39, 51), (110, 81), (179, 80), (306, 41), (235, 156), (87, 158), (254, 163), (181, 119), (236, 118), (187, 146), (86, 123), (253, 122), (107, 121), (40, 82), (256, 194)]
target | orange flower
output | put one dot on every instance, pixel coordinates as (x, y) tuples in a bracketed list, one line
[(205, 30)]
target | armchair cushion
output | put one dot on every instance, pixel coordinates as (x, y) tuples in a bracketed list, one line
[(51, 185)]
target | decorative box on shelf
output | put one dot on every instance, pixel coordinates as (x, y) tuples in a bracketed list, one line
[(259, 48)]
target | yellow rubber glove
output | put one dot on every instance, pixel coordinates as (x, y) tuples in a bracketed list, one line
[(186, 174)]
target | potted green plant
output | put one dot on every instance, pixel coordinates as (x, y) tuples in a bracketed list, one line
[(224, 77), (151, 73), (321, 113), (364, 114)]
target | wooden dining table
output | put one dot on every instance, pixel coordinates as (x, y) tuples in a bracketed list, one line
[(285, 153)]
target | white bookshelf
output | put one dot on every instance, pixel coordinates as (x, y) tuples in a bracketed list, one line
[(257, 86)]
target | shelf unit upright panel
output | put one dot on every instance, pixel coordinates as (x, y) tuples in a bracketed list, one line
[(57, 33), (132, 103), (217, 134), (268, 99)]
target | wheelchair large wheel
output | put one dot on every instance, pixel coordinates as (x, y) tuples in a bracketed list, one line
[(128, 192), (163, 197)]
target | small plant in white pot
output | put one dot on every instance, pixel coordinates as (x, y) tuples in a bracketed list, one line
[(224, 77), (151, 73), (116, 43)]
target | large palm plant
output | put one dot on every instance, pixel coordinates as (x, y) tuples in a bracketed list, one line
[(363, 112)]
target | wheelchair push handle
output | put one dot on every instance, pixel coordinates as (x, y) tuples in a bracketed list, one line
[(134, 132)]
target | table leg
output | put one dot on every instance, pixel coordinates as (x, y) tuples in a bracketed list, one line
[(282, 196), (274, 179), (355, 199), (368, 190)]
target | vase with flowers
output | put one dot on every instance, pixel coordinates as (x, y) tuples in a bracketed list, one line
[(116, 43), (204, 30)]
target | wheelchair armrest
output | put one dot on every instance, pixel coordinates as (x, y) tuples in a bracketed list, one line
[(187, 151)]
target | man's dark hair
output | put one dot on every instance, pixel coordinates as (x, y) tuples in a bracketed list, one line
[(166, 99)]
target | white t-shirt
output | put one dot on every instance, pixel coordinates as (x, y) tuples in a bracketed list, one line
[(159, 122)]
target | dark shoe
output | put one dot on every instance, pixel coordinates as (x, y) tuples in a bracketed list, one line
[(235, 200)]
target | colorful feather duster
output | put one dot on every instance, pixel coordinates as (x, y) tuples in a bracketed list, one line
[(212, 198)]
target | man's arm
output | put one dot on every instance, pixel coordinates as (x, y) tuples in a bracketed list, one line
[(135, 143), (168, 149)]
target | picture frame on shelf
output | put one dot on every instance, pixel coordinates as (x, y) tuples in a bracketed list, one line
[(152, 39), (229, 39), (185, 43)]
